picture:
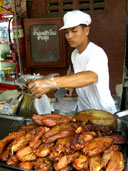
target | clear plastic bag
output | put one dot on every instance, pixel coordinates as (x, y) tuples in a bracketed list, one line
[(23, 80)]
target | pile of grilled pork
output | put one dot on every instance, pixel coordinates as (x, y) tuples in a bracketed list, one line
[(61, 143)]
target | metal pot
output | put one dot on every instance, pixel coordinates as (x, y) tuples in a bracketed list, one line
[(123, 121)]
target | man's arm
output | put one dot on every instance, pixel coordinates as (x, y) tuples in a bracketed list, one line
[(77, 80)]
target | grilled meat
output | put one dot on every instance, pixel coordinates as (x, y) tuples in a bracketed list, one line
[(26, 154), (27, 128), (65, 146), (119, 139), (36, 138), (59, 131), (65, 161), (67, 168), (27, 165), (44, 150), (25, 140), (61, 147), (81, 162), (116, 162), (7, 153), (52, 119), (12, 160), (97, 146), (95, 163), (43, 164), (79, 140), (4, 142), (107, 155)]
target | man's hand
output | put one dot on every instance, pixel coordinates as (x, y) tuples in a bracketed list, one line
[(78, 80), (41, 86)]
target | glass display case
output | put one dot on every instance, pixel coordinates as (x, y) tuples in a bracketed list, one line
[(8, 62)]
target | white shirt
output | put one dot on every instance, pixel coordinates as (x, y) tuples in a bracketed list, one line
[(97, 95)]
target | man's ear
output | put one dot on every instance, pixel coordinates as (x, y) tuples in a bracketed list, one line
[(87, 29)]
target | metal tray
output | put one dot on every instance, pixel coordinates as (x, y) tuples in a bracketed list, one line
[(13, 123), (9, 124)]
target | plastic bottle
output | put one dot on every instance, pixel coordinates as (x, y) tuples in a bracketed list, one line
[(2, 74)]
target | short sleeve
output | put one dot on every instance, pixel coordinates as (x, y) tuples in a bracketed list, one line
[(97, 62)]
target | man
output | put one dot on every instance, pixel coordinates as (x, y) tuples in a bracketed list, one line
[(90, 64)]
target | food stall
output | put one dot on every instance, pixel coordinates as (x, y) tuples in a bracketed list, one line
[(59, 139)]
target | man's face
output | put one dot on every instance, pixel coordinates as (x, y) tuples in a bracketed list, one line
[(77, 36)]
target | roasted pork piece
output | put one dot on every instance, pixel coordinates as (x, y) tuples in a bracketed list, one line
[(61, 147), (43, 164), (79, 140), (81, 162), (65, 161), (4, 142), (7, 153), (28, 128), (52, 119), (67, 168), (27, 165), (64, 144), (107, 155), (36, 138), (116, 162), (31, 138), (119, 139), (44, 150), (97, 146), (26, 154), (95, 163), (59, 131), (12, 160), (21, 142)]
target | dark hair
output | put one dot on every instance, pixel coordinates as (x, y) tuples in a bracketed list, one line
[(83, 25)]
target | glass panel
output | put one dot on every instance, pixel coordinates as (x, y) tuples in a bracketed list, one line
[(5, 30), (44, 43)]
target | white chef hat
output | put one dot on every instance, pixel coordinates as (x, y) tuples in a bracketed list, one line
[(75, 18)]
